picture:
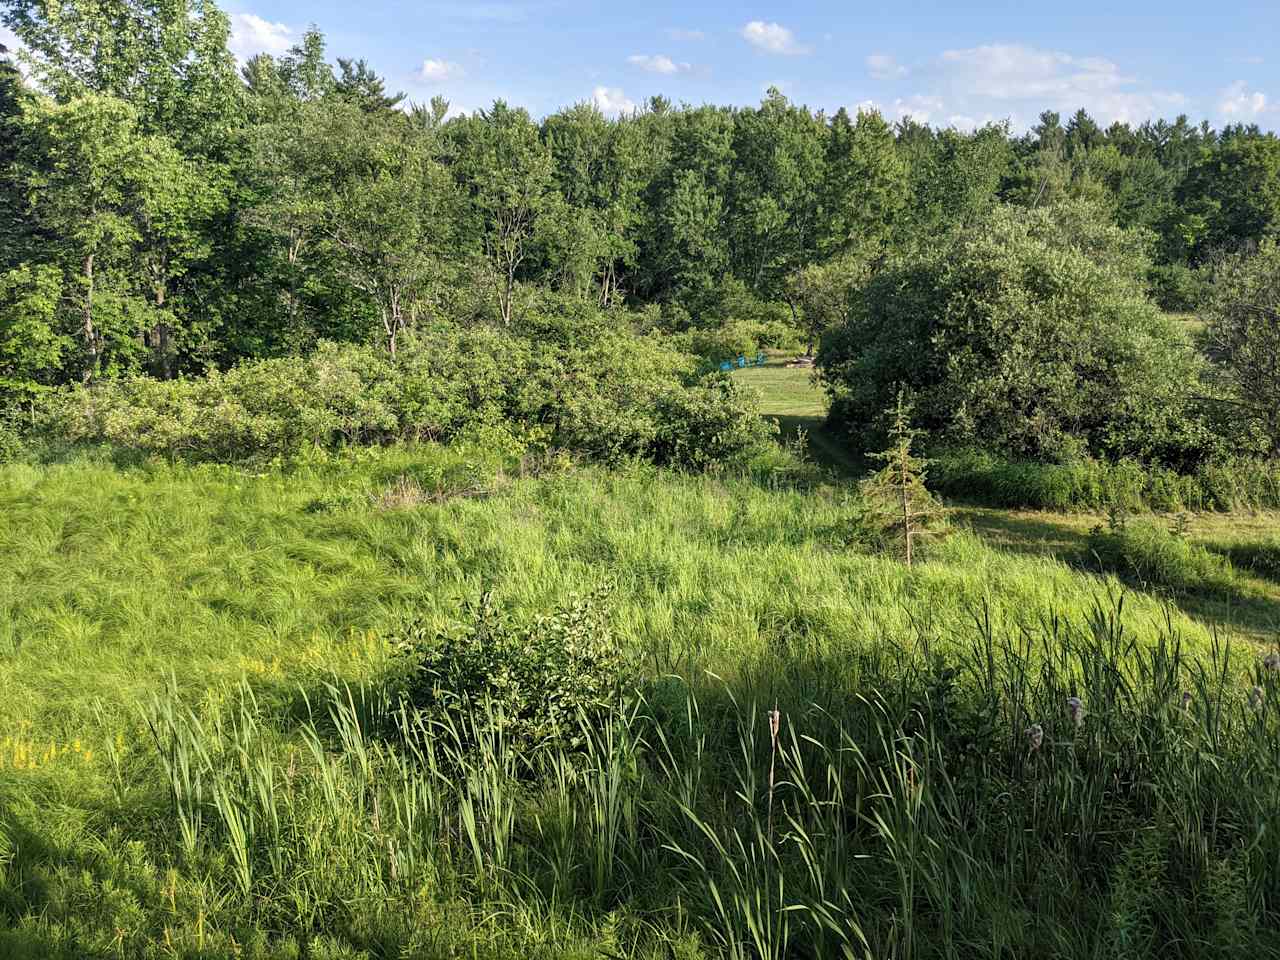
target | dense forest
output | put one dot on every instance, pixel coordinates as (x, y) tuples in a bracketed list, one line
[(170, 214)]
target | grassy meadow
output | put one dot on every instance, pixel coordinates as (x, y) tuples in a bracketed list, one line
[(198, 759)]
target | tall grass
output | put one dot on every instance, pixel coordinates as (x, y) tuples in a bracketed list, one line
[(246, 782), (1097, 485)]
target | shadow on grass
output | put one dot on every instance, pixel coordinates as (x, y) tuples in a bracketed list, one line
[(825, 447), (1244, 607)]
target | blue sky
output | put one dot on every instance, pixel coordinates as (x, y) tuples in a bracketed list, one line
[(947, 61)]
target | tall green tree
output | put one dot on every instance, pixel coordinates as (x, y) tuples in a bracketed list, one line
[(123, 211), (505, 170), (168, 59), (1231, 197), (865, 187)]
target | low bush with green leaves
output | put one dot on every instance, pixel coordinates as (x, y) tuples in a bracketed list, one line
[(535, 683), (1091, 484)]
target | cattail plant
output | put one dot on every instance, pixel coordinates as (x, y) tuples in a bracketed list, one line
[(1075, 710), (775, 724), (1035, 736)]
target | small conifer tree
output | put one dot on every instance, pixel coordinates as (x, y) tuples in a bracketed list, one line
[(897, 490)]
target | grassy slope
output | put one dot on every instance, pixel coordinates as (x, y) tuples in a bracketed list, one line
[(119, 578), (790, 395), (123, 580)]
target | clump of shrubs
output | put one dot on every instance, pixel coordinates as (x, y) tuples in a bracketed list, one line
[(583, 384), (1087, 483), (539, 684)]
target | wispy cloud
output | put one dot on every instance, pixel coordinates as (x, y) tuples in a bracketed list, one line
[(612, 101), (438, 71), (658, 63), (772, 38), (1000, 76), (882, 66), (251, 35)]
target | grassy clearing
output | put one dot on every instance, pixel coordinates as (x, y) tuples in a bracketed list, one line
[(185, 774), (790, 396)]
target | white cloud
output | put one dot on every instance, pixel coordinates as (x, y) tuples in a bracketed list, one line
[(438, 71), (658, 63), (612, 101), (8, 39), (678, 34), (772, 38), (883, 67), (1239, 103), (251, 35), (992, 77)]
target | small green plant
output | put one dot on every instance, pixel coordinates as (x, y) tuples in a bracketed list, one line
[(535, 679), (897, 491)]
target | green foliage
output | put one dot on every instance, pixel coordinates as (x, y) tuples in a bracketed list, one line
[(1159, 558), (1231, 196), (1090, 484), (577, 383), (536, 684), (31, 343), (1243, 334), (896, 492), (1030, 335)]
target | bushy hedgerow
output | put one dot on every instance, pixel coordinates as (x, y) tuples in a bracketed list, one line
[(1091, 484), (583, 383)]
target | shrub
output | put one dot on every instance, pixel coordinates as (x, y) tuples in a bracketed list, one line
[(583, 383), (1243, 334), (534, 682), (1092, 484), (1031, 334)]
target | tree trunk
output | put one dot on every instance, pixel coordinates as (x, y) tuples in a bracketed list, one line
[(906, 505), (161, 339), (90, 334)]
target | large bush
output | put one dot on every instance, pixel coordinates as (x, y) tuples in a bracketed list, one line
[(580, 382), (1244, 339), (1031, 333)]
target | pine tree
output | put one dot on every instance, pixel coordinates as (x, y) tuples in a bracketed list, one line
[(897, 491)]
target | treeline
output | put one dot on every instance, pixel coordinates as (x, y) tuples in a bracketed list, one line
[(165, 212)]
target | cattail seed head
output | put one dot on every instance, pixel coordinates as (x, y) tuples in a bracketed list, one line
[(1035, 736), (1271, 661), (1255, 698), (775, 722), (1075, 710), (1186, 700)]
